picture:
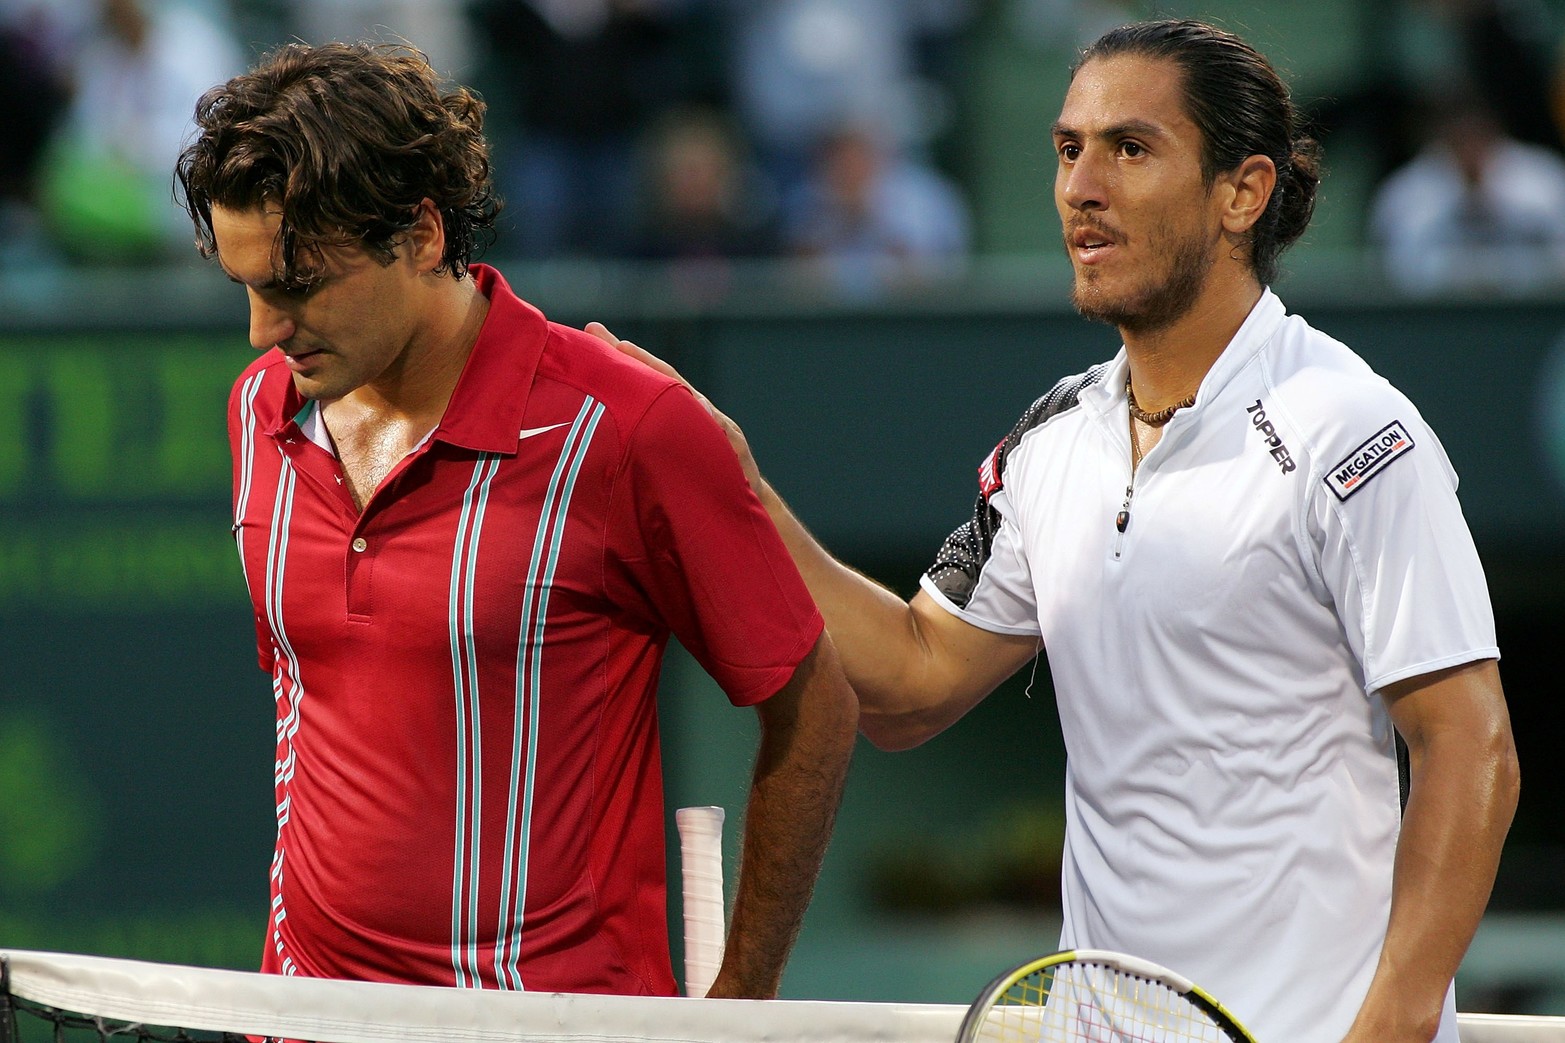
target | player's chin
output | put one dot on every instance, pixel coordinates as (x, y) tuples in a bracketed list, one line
[(318, 387), (1092, 301)]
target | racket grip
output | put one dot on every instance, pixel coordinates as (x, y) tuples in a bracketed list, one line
[(701, 873)]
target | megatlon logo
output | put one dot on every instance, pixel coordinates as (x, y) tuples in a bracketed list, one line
[(1369, 459)]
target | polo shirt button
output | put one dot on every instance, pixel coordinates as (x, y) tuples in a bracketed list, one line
[(360, 544)]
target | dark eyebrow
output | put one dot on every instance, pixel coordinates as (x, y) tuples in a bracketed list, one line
[(269, 284), (1129, 128)]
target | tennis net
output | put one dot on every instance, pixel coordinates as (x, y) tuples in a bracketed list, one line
[(68, 998)]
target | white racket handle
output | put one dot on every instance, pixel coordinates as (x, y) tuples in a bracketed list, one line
[(701, 873)]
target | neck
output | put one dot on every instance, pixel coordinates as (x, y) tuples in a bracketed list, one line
[(420, 385), (1167, 364)]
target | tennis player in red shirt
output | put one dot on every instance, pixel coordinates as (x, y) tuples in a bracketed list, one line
[(468, 533)]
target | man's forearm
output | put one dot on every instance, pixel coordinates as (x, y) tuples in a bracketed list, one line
[(916, 667), (807, 736), (1459, 810)]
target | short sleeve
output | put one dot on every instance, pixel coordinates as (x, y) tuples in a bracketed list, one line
[(981, 574), (692, 548), (1395, 551)]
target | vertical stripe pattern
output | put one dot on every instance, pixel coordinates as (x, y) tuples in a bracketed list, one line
[(529, 669), (246, 477), (467, 875), (287, 690), (465, 888)]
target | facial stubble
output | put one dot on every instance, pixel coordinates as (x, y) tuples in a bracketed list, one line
[(1148, 308)]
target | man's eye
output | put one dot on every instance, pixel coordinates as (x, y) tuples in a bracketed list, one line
[(301, 289), (1070, 152), (1130, 148)]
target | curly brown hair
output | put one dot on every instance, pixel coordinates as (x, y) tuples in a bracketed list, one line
[(346, 140)]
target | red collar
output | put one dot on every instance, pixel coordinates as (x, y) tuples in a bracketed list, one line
[(490, 397)]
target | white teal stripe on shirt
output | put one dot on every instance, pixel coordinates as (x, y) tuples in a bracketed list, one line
[(529, 665), (247, 426), (287, 690), (466, 881)]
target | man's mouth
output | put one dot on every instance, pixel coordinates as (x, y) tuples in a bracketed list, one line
[(1090, 245), (299, 359), (1090, 239)]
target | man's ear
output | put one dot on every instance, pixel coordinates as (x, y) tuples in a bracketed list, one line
[(1250, 189), (427, 238)]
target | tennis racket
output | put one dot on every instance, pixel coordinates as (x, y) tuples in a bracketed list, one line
[(701, 873), (1092, 996)]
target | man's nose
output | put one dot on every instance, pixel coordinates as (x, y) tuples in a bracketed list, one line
[(269, 326)]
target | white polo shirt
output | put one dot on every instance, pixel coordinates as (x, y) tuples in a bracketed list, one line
[(1294, 543)]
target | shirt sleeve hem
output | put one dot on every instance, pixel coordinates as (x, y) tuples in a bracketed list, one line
[(775, 679), (968, 616), (1472, 655)]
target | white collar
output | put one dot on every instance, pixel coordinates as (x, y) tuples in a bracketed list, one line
[(1108, 396)]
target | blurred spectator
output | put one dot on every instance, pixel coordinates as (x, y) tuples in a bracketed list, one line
[(1411, 49), (872, 218), (32, 101), (571, 84), (438, 28), (704, 205), (1475, 208), (802, 68), (1508, 46), (704, 199), (1074, 23), (107, 179)]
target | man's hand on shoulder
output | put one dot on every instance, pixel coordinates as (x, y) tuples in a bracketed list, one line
[(730, 429)]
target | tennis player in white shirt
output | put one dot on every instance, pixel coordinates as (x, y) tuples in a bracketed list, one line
[(1290, 764)]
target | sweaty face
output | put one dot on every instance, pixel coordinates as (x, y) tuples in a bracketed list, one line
[(1140, 225), (348, 328)]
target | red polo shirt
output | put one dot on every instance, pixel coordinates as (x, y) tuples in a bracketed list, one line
[(468, 780)]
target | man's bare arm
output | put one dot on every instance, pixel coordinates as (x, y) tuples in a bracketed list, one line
[(916, 667), (807, 733), (1465, 783)]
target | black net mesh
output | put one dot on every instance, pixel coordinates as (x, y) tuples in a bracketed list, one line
[(23, 1021)]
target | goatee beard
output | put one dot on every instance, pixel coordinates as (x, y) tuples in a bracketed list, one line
[(1154, 308)]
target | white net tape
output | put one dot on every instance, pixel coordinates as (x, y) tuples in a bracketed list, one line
[(362, 1012)]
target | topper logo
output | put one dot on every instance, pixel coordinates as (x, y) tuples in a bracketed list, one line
[(1268, 431)]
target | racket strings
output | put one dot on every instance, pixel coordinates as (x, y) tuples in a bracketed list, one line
[(1089, 1003)]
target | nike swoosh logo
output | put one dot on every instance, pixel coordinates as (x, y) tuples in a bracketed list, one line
[(528, 432)]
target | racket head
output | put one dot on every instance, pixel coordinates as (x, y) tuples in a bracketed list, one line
[(1096, 996)]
